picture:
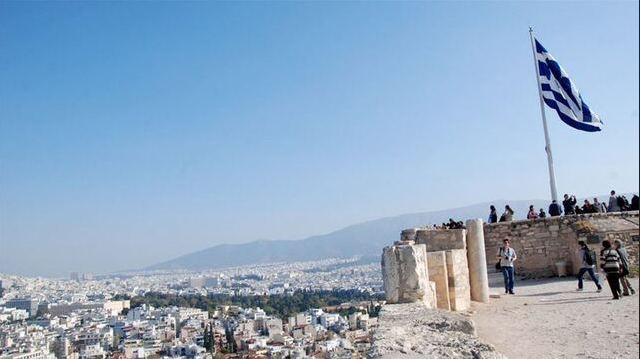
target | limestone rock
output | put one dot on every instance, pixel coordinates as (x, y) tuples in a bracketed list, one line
[(414, 331), (405, 274)]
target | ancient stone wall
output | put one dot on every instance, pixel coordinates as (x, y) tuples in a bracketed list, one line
[(542, 243)]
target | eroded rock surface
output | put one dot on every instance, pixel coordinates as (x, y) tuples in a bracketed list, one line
[(408, 331)]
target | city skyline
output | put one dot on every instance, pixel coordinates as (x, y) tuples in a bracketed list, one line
[(132, 133)]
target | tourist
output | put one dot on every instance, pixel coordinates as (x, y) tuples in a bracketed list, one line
[(610, 264), (623, 203), (532, 213), (577, 210), (542, 213), (554, 209), (507, 216), (613, 203), (635, 203), (587, 258), (569, 204), (588, 208), (493, 215), (624, 262), (507, 256), (599, 206)]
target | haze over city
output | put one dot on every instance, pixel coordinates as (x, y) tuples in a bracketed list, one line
[(133, 133)]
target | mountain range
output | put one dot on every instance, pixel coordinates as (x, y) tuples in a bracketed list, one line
[(364, 239)]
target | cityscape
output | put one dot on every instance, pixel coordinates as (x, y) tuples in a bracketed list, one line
[(86, 316)]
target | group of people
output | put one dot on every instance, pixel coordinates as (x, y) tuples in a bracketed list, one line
[(451, 225), (507, 215), (570, 207), (614, 262)]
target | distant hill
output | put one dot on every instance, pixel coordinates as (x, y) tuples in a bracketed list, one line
[(365, 239)]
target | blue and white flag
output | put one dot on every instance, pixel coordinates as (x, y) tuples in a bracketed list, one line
[(561, 94)]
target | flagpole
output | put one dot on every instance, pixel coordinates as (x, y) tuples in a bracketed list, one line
[(552, 173)]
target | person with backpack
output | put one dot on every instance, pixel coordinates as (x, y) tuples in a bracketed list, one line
[(624, 272), (610, 264), (554, 209), (507, 216), (588, 259), (507, 257)]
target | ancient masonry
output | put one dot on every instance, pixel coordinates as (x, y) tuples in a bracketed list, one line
[(447, 269), (432, 267), (542, 244)]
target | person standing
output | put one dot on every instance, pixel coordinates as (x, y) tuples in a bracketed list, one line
[(532, 213), (569, 205), (610, 264), (587, 258), (554, 209), (507, 257), (624, 272), (493, 215), (613, 203)]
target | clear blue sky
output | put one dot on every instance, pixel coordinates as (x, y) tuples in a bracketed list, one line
[(134, 132)]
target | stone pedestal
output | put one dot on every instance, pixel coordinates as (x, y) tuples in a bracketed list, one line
[(405, 275), (477, 259)]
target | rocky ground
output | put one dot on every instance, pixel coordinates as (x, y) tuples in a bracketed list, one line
[(409, 331), (549, 319)]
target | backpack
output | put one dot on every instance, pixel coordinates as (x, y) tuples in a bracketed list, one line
[(589, 256), (611, 261)]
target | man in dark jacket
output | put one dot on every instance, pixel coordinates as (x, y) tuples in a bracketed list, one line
[(554, 209), (569, 205)]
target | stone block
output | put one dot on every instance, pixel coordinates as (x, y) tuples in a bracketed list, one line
[(405, 274), (442, 240), (437, 262), (458, 272)]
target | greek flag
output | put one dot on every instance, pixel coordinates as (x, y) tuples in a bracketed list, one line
[(561, 94)]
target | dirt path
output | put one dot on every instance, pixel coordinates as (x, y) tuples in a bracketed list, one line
[(549, 319)]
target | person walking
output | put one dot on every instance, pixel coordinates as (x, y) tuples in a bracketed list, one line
[(624, 272), (587, 258), (554, 209), (532, 213), (569, 205), (613, 203), (610, 264), (542, 213), (507, 257), (493, 214)]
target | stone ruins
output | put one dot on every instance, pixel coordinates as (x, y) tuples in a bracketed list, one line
[(433, 267), (447, 269)]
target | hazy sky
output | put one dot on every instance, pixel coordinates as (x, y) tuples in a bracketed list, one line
[(135, 132)]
